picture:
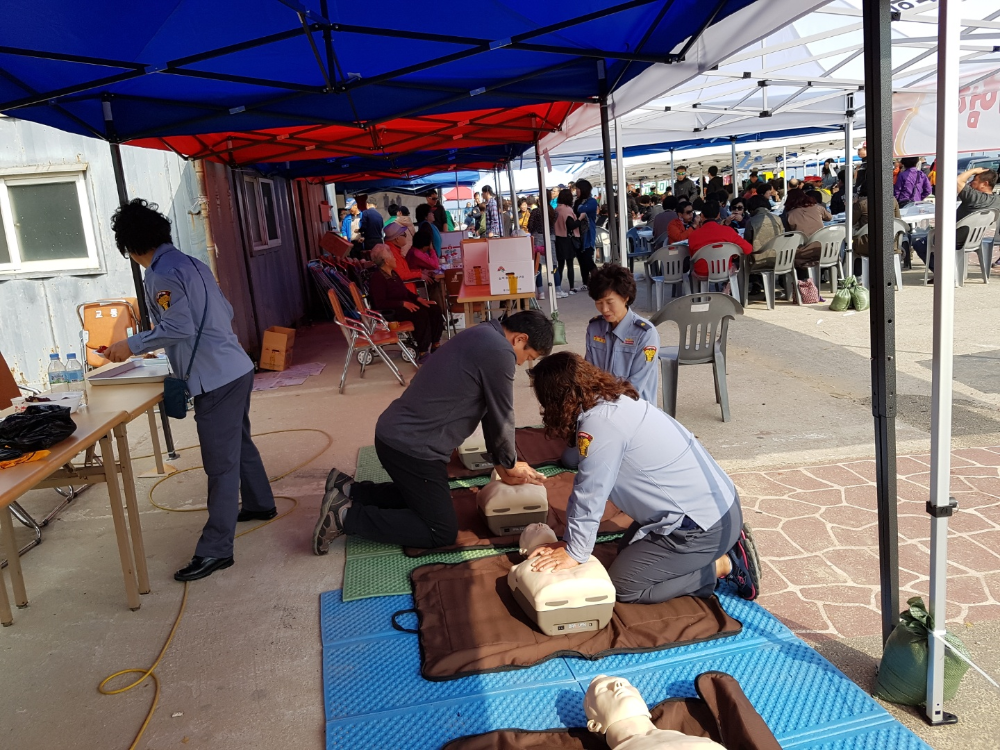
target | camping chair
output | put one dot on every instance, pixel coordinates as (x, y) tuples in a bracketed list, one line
[(831, 240), (785, 247), (372, 320), (866, 262), (666, 266), (104, 323), (358, 337), (703, 321), (720, 269)]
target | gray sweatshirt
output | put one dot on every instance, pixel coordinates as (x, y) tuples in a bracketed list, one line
[(469, 380)]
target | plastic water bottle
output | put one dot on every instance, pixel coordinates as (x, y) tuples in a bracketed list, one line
[(74, 376), (57, 374)]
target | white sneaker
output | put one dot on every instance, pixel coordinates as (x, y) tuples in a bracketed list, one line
[(540, 295), (573, 291), (561, 294)]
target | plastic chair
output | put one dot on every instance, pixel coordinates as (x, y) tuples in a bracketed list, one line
[(372, 320), (785, 247), (703, 321), (865, 263), (904, 243), (602, 241), (638, 246), (718, 257), (977, 222), (358, 337), (832, 240), (666, 266), (104, 323)]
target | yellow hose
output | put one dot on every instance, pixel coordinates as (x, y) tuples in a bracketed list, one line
[(151, 671)]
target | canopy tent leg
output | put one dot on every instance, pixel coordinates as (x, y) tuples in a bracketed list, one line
[(140, 290), (513, 197), (609, 175), (736, 182), (622, 195), (849, 187), (941, 504), (784, 168), (543, 206), (877, 21)]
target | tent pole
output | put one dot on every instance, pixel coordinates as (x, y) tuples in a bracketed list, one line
[(458, 199), (736, 190), (877, 21), (513, 197), (622, 192), (849, 185), (140, 290), (606, 145), (543, 206), (673, 177), (941, 504), (784, 167)]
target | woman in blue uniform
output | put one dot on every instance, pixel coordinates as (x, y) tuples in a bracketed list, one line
[(193, 322), (688, 530)]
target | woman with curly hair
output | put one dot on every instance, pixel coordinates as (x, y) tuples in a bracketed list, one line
[(688, 530)]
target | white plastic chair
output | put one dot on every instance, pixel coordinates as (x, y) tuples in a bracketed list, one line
[(832, 240), (666, 266), (897, 262), (785, 247), (703, 322), (720, 270), (903, 240), (977, 223)]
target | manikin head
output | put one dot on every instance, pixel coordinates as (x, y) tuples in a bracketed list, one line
[(610, 700), (535, 535)]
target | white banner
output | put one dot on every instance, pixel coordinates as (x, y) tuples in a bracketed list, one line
[(914, 119)]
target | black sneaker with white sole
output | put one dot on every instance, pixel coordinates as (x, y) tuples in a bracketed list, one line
[(745, 575), (329, 527), (336, 479)]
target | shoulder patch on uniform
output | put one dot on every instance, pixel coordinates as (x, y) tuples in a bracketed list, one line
[(642, 324), (583, 441), (600, 339), (650, 352), (163, 299)]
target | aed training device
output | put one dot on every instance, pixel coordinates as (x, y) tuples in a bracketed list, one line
[(473, 454), (509, 508), (561, 602)]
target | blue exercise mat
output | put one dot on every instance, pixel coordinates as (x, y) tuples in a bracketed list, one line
[(376, 698)]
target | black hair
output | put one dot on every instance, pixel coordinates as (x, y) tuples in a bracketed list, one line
[(710, 211), (669, 203), (487, 189), (139, 227), (565, 197), (723, 197), (423, 211), (698, 204), (713, 170), (536, 325), (393, 209), (423, 238), (404, 211), (762, 187), (583, 191), (816, 195), (612, 278), (757, 201), (989, 177), (683, 203), (909, 162)]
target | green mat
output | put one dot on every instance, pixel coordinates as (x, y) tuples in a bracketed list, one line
[(377, 569)]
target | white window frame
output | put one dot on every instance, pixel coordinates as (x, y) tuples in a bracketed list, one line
[(47, 176), (253, 182)]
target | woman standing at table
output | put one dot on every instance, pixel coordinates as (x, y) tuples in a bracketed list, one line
[(194, 324), (567, 232)]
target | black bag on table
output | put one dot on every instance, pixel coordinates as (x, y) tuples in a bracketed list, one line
[(38, 427)]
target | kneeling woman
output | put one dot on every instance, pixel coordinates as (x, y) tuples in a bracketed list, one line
[(688, 530), (389, 295)]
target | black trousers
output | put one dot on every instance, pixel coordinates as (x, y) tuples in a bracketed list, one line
[(414, 509), (428, 325), (232, 463), (660, 567), (565, 255), (585, 257)]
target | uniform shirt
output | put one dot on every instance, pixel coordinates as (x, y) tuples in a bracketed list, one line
[(628, 350), (176, 286), (650, 466)]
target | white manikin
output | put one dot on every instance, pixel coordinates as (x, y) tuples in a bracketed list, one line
[(584, 586), (615, 709), (508, 508)]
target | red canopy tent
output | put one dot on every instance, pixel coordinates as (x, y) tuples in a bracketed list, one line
[(459, 194)]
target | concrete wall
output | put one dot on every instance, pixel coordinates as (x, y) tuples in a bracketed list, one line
[(38, 311)]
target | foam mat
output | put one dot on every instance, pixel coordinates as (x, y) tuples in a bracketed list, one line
[(375, 697)]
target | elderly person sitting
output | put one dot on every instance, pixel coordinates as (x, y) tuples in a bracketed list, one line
[(390, 296)]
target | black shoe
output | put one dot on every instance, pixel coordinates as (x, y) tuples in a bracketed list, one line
[(256, 515), (202, 567), (745, 575), (329, 527), (336, 480)]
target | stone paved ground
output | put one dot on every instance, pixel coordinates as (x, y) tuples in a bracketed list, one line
[(816, 532)]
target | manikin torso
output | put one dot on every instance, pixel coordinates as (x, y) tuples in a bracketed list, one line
[(574, 585)]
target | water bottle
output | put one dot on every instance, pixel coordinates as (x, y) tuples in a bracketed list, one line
[(74, 376), (57, 374)]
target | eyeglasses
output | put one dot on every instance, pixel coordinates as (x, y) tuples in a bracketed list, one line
[(687, 211)]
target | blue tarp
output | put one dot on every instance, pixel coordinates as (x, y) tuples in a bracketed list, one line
[(204, 66)]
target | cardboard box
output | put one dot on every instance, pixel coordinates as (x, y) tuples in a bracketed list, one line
[(451, 247), (276, 349), (511, 267), (335, 244), (476, 255)]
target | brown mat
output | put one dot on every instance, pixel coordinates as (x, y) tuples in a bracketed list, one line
[(532, 447), (470, 622), (722, 713), (473, 533)]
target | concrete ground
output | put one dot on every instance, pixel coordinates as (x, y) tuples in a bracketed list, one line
[(243, 670)]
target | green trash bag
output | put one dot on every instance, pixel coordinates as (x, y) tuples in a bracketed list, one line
[(558, 330), (842, 299), (902, 673), (860, 298)]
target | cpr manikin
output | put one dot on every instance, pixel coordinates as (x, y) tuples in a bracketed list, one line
[(510, 508), (559, 602), (473, 454), (615, 709)]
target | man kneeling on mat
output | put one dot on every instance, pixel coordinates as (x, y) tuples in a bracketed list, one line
[(469, 380), (688, 531)]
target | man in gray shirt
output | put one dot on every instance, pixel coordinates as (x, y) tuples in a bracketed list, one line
[(469, 380)]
